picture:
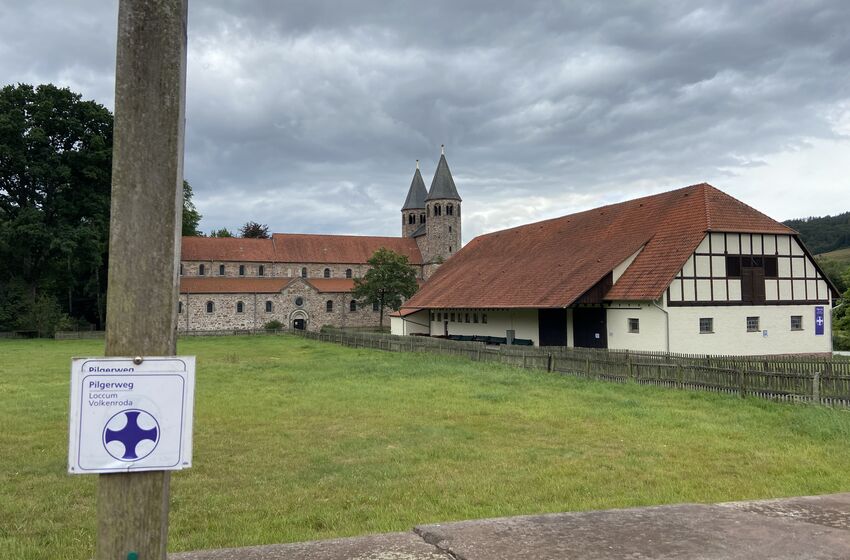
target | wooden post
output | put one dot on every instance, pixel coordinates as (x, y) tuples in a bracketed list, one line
[(742, 382), (816, 387), (144, 237)]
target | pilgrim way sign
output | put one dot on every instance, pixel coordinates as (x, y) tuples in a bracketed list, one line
[(131, 414)]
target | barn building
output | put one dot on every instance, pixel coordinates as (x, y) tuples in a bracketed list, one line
[(692, 270), (305, 280)]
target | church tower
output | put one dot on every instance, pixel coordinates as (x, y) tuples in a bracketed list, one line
[(413, 211), (442, 226)]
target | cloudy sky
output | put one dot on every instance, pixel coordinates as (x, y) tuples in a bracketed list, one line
[(309, 115)]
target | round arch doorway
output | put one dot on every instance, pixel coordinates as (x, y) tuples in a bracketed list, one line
[(298, 320)]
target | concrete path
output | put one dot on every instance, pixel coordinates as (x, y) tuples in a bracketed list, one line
[(816, 527)]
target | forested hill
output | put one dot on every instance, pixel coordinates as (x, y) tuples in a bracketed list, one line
[(822, 235)]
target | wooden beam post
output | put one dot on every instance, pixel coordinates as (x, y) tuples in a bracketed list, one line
[(144, 250)]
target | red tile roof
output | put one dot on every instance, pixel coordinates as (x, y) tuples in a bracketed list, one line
[(227, 249), (343, 249), (297, 248), (552, 263)]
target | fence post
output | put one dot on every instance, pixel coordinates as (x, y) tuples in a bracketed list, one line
[(629, 364), (587, 365), (742, 382), (816, 387)]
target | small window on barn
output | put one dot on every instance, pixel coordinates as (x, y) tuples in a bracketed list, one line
[(210, 307), (327, 273), (796, 322), (202, 270), (179, 307), (733, 266), (329, 306), (304, 272), (432, 316), (269, 307), (452, 318), (634, 325), (483, 317), (261, 270), (353, 305), (467, 317), (753, 324), (376, 306), (475, 317), (706, 325), (241, 270), (771, 267), (240, 307), (221, 270), (348, 273)]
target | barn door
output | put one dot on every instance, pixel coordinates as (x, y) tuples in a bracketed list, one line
[(552, 327), (752, 285), (590, 327)]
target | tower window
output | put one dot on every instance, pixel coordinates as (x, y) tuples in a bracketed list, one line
[(202, 270), (304, 272), (353, 305), (348, 273), (438, 211), (421, 218), (450, 229), (450, 248), (269, 307), (411, 219), (240, 307), (329, 306), (210, 307), (221, 270), (327, 273), (450, 210)]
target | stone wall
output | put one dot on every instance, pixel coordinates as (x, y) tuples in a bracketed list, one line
[(276, 270), (192, 314)]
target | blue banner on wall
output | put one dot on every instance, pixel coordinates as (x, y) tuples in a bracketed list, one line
[(819, 320)]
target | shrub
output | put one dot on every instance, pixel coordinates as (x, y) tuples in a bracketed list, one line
[(274, 325)]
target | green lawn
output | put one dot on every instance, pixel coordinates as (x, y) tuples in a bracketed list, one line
[(299, 440)]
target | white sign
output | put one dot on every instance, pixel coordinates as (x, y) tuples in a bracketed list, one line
[(128, 416)]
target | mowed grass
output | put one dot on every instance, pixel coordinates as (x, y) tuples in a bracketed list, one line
[(298, 440), (840, 255)]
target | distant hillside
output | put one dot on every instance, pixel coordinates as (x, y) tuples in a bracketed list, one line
[(822, 235)]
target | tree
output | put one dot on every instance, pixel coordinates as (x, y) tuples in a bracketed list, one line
[(223, 232), (388, 282), (191, 216), (55, 181), (254, 230)]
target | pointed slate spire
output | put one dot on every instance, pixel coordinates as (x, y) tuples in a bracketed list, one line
[(417, 192), (443, 186)]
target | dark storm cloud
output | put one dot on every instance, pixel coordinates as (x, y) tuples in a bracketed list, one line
[(308, 115)]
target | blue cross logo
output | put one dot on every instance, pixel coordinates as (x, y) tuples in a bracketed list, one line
[(819, 321), (127, 428)]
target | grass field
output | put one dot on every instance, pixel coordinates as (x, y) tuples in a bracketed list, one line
[(841, 255), (299, 440)]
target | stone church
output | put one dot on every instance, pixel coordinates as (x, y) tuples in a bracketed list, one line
[(305, 280)]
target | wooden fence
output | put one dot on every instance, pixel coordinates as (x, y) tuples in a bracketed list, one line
[(807, 379)]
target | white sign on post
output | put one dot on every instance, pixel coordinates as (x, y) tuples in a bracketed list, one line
[(131, 414)]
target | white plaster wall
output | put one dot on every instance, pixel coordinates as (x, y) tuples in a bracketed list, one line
[(523, 321), (730, 330), (621, 268), (415, 323), (653, 327)]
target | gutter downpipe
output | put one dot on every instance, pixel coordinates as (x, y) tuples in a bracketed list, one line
[(667, 323)]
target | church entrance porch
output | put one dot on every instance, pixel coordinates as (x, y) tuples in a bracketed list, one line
[(298, 320), (590, 327)]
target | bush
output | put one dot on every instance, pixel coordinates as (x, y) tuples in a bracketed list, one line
[(274, 325)]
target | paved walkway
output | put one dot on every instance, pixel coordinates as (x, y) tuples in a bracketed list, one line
[(816, 527)]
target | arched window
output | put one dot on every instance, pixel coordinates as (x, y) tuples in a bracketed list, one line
[(437, 210), (348, 273), (269, 307), (221, 270), (261, 270), (240, 307), (201, 270), (329, 306), (304, 272), (241, 270), (352, 306), (327, 273), (210, 307), (179, 307), (450, 210), (421, 218), (411, 218)]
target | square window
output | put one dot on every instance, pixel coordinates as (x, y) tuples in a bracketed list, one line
[(634, 325), (753, 324), (796, 322), (706, 325), (453, 318)]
